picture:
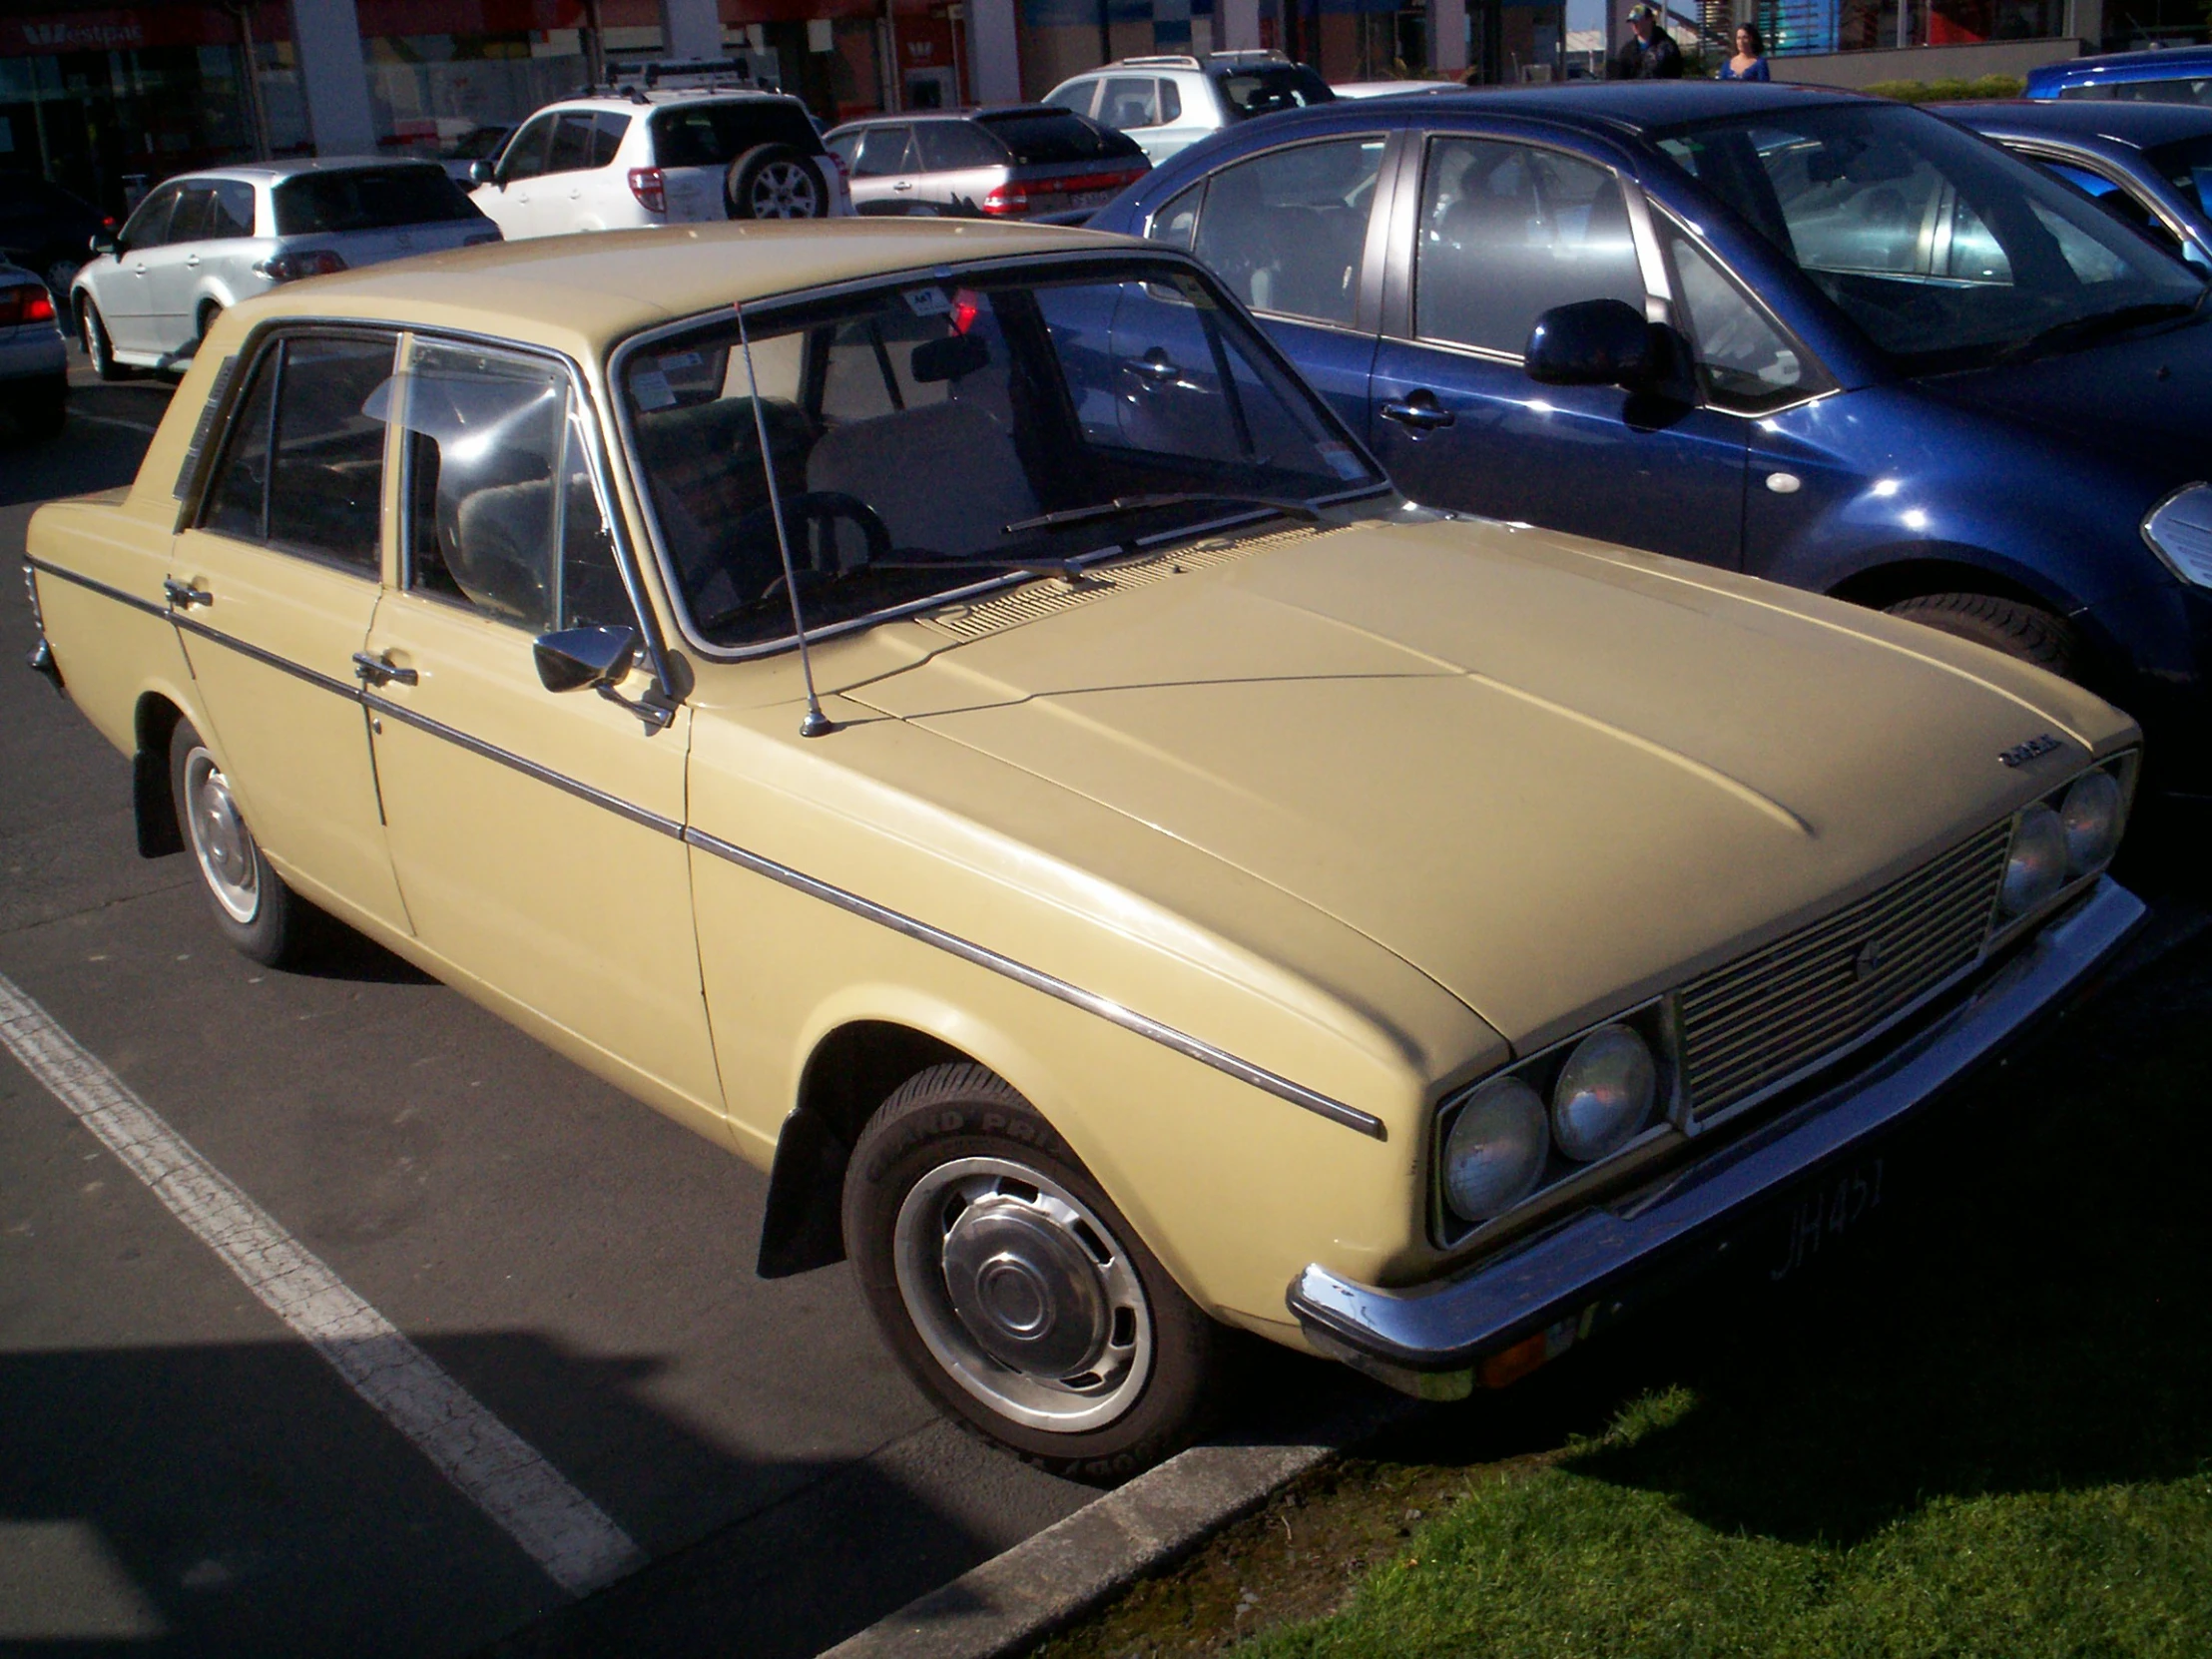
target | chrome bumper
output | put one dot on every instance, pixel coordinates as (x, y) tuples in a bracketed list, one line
[(1405, 1337)]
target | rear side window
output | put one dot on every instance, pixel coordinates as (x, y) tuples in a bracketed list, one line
[(232, 214), (586, 139), (951, 145), (368, 198), (1287, 230), (1250, 92), (1040, 140), (1130, 102), (714, 135), (304, 467), (190, 221)]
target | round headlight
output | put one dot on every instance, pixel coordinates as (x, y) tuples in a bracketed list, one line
[(1604, 1094), (2038, 865), (2090, 816), (1494, 1155)]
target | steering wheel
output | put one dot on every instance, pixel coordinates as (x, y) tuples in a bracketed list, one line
[(826, 508)]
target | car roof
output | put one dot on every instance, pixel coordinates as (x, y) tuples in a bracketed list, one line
[(624, 103), (273, 173), (580, 293), (1631, 105), (2171, 64), (909, 117), (2124, 121)]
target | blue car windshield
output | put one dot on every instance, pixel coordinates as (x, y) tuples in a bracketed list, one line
[(1944, 250)]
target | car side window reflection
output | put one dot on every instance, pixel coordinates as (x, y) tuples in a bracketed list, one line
[(525, 156), (502, 514), (1508, 230), (1745, 360), (1286, 230)]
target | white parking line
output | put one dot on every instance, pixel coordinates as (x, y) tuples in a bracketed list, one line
[(113, 420), (568, 1535)]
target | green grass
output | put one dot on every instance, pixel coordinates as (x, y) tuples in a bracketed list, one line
[(1987, 1433), (1951, 90)]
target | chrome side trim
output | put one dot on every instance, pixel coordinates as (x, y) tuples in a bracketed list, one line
[(1105, 1008), (32, 561), (284, 665)]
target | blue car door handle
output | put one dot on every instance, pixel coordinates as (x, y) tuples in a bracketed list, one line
[(1418, 411)]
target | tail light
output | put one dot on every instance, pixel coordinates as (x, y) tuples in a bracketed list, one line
[(290, 268), (650, 186), (27, 303), (1007, 201)]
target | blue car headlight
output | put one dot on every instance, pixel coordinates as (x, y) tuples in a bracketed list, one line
[(2179, 530)]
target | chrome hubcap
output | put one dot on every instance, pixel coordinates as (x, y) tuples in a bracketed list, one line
[(1022, 1295), (783, 190), (220, 839)]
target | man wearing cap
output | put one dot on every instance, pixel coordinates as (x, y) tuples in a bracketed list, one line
[(1651, 54)]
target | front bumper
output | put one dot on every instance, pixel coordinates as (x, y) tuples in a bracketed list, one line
[(1408, 1338)]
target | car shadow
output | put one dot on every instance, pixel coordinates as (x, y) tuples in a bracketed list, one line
[(2025, 1316)]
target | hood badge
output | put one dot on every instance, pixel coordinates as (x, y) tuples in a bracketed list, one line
[(2021, 753), (1868, 961)]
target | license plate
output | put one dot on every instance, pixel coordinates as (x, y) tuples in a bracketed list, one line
[(1089, 198), (1824, 1214)]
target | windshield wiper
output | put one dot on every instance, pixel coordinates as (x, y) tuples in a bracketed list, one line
[(1066, 569), (2082, 330), (1141, 503)]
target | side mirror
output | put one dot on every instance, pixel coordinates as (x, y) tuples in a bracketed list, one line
[(479, 173), (1593, 342), (102, 243), (577, 659)]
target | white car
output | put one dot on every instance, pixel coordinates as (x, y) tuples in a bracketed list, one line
[(1169, 103), (201, 243), (630, 159)]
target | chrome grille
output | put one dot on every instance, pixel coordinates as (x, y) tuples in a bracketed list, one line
[(1767, 1015)]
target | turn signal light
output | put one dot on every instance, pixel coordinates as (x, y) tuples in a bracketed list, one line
[(28, 304), (650, 186), (290, 268)]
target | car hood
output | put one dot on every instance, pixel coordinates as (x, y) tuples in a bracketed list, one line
[(1550, 775)]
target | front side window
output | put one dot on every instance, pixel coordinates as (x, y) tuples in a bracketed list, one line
[(150, 223), (1507, 232), (1745, 361), (189, 222), (525, 157), (1946, 252), (923, 435), (231, 212), (303, 470), (502, 514), (1287, 230), (885, 151)]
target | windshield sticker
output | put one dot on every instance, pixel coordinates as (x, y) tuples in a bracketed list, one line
[(651, 390), (675, 362), (1342, 461), (928, 302)]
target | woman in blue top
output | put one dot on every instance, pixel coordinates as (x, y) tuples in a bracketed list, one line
[(1750, 60)]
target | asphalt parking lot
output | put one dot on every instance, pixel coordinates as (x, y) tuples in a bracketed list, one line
[(183, 1471)]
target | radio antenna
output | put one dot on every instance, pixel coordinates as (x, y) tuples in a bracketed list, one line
[(816, 723)]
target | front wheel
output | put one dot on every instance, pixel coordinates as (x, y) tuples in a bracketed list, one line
[(254, 908), (99, 347), (1013, 1291), (2012, 626)]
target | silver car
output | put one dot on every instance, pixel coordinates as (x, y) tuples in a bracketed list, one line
[(1016, 163), (205, 242), (34, 365)]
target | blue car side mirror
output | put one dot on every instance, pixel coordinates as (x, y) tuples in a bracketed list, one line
[(1594, 342)]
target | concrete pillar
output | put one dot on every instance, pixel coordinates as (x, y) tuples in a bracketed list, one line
[(1447, 41), (333, 77), (691, 29), (1237, 24), (994, 52)]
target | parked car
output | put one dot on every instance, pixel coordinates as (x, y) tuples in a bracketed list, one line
[(201, 243), (1831, 341), (2177, 75), (1387, 88), (2146, 163), (636, 159), (999, 164), (459, 154), (44, 229), (942, 710), (1169, 103), (34, 362)]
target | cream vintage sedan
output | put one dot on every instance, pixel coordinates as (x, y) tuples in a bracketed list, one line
[(944, 711)]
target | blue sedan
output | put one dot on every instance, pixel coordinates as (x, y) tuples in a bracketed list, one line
[(2150, 165), (1831, 341)]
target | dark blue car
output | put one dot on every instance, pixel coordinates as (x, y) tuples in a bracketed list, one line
[(1831, 341), (2175, 75), (2150, 165)]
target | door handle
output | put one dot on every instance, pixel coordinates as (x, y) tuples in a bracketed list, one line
[(1418, 411), (378, 671), (1155, 366), (903, 183), (183, 595)]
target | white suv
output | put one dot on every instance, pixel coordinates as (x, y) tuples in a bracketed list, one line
[(1169, 103), (638, 158)]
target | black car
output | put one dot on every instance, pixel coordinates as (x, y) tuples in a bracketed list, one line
[(44, 229)]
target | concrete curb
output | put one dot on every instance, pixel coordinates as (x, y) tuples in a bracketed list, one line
[(1013, 1601)]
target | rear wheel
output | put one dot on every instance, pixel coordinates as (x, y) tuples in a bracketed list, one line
[(209, 311), (1013, 1291), (254, 908), (2012, 626), (97, 346), (773, 180)]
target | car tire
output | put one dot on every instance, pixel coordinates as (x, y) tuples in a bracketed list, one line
[(253, 909), (1075, 1347), (773, 180), (2012, 626), (93, 327), (203, 321)]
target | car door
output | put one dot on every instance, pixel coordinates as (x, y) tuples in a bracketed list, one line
[(885, 170), (173, 269), (512, 199), (536, 836), (568, 173), (123, 289), (1499, 231), (273, 583), (1294, 233)]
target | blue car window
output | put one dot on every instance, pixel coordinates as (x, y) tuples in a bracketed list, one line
[(1507, 232), (1286, 230), (1177, 223), (1745, 361)]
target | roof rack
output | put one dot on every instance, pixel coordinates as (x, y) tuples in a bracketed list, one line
[(1250, 54), (634, 79), (1164, 59)]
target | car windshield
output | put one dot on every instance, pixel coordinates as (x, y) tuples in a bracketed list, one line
[(2186, 165), (1251, 92), (368, 198), (1943, 250), (714, 135), (1039, 137), (932, 437)]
